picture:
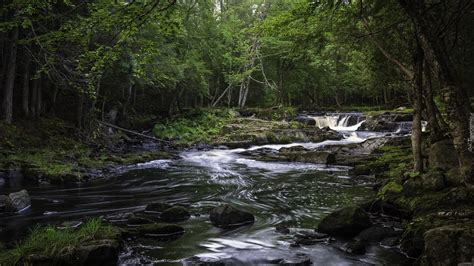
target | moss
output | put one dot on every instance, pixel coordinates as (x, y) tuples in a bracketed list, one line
[(390, 190), (55, 243)]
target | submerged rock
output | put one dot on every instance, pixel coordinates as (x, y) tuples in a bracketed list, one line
[(229, 216), (137, 220), (157, 207), (346, 222), (160, 230), (175, 214), (357, 247), (377, 233)]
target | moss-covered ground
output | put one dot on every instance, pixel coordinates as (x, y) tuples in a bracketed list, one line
[(430, 207), (55, 151), (57, 244)]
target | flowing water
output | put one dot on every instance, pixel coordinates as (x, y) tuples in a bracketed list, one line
[(297, 194)]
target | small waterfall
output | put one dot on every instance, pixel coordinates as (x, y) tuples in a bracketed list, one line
[(326, 121), (341, 122)]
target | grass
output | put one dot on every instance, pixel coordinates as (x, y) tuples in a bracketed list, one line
[(54, 243)]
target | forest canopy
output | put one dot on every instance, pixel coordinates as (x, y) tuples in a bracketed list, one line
[(79, 60)]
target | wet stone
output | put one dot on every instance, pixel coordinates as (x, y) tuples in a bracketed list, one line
[(137, 220), (390, 242), (175, 214), (357, 247), (19, 200), (160, 231), (229, 216)]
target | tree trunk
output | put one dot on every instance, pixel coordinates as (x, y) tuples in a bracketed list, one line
[(417, 111), (26, 85), (34, 95), (10, 78), (39, 99), (435, 128)]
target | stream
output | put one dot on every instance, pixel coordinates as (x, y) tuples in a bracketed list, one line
[(297, 194)]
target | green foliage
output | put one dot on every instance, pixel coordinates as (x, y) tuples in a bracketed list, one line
[(55, 243), (197, 126)]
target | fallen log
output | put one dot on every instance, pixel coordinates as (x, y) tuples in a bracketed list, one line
[(131, 132)]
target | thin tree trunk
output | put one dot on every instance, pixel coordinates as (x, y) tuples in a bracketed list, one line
[(417, 110), (26, 85), (34, 95), (39, 99), (10, 78), (435, 129)]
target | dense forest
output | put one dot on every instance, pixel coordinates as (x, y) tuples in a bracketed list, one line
[(90, 86)]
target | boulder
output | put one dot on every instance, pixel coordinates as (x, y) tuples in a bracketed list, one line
[(390, 242), (442, 155), (377, 233), (175, 214), (300, 154), (449, 245), (229, 216), (137, 220), (101, 252), (157, 207), (19, 200), (346, 222), (160, 230)]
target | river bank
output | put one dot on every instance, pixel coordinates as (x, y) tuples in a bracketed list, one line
[(242, 173)]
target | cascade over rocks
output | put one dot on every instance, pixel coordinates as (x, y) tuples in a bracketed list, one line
[(228, 216), (346, 222)]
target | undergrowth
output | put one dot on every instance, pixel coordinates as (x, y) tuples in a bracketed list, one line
[(196, 126)]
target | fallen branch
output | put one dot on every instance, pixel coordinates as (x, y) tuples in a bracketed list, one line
[(131, 132)]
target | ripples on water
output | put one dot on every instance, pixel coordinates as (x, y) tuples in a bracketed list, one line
[(296, 193)]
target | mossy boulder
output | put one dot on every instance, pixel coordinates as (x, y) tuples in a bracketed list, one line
[(346, 222), (175, 214), (228, 216), (442, 155), (449, 245), (100, 252)]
